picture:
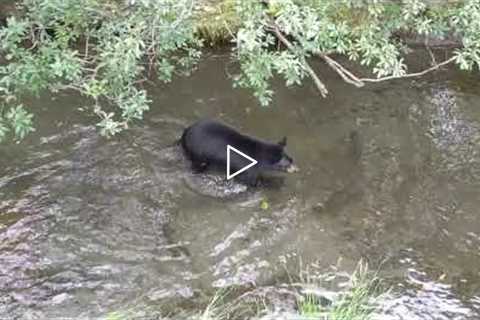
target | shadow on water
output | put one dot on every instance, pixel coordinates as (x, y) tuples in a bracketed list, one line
[(390, 173)]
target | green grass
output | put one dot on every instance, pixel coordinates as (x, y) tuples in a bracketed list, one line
[(310, 307), (357, 302), (116, 315), (215, 310)]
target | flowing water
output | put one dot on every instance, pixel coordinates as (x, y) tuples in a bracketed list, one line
[(388, 173)]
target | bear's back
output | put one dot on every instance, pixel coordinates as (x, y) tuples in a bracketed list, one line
[(208, 139)]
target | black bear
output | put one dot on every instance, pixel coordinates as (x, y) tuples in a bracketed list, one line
[(205, 144)]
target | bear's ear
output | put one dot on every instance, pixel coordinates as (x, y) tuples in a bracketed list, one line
[(283, 142)]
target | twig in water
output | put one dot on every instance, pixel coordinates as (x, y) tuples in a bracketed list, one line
[(432, 56)]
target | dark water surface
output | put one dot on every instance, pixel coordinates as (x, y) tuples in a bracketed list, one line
[(389, 173)]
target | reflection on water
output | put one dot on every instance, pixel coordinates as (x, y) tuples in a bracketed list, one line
[(389, 173), (425, 299)]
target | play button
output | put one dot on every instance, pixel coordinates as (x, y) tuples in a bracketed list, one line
[(248, 166)]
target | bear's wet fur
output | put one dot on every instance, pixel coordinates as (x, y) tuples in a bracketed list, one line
[(205, 144)]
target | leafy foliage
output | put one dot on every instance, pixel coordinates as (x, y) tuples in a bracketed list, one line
[(103, 49), (17, 120), (362, 30), (106, 49)]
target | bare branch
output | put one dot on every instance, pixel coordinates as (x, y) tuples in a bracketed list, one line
[(410, 75), (349, 77), (346, 75), (320, 86), (87, 43), (432, 56), (67, 87)]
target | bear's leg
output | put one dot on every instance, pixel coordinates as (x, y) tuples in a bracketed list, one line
[(199, 166), (250, 177)]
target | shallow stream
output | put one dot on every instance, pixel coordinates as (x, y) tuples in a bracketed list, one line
[(389, 173)]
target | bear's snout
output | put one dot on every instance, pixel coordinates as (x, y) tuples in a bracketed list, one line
[(292, 168), (286, 164)]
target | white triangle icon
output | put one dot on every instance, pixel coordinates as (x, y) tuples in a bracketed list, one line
[(252, 162)]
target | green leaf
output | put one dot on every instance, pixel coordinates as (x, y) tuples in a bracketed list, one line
[(20, 120), (264, 205), (3, 129)]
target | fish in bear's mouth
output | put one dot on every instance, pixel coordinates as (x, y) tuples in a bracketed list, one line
[(292, 168)]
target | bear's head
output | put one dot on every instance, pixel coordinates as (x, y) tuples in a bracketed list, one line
[(282, 161)]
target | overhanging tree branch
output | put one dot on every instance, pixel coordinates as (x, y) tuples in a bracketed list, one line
[(360, 82), (344, 73), (321, 87), (411, 75)]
